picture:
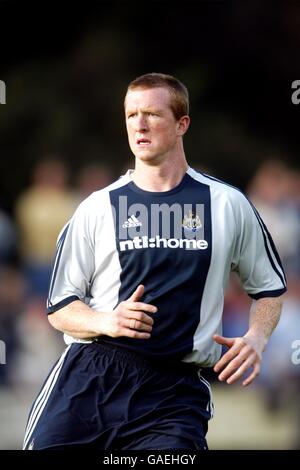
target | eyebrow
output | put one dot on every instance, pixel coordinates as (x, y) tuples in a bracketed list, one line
[(145, 110)]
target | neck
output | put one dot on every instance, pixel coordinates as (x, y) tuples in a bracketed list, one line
[(161, 177)]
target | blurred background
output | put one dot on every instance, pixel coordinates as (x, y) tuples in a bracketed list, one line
[(62, 136)]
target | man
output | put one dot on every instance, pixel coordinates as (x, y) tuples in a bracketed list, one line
[(138, 286)]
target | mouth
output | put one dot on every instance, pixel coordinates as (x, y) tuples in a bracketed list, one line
[(143, 142)]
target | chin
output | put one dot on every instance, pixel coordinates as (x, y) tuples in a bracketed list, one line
[(145, 157)]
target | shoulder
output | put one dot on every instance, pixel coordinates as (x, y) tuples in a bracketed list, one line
[(227, 199), (221, 189)]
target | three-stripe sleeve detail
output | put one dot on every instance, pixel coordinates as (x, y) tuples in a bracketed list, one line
[(268, 242), (60, 246)]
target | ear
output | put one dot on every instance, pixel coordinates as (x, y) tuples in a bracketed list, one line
[(183, 125)]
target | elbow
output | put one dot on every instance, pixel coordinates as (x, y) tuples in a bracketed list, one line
[(54, 321)]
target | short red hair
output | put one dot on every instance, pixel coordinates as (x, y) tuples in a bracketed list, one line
[(178, 91)]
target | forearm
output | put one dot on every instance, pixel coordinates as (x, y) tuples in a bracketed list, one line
[(78, 320), (264, 316), (129, 318)]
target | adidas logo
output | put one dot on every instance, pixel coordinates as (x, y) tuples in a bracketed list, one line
[(132, 221)]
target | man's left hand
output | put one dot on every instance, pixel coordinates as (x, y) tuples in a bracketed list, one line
[(243, 353)]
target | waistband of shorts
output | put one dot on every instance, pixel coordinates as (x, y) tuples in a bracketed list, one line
[(142, 361)]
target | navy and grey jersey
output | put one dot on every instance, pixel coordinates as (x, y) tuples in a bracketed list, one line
[(181, 245)]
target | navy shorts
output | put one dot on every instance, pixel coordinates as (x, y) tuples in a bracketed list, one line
[(107, 398)]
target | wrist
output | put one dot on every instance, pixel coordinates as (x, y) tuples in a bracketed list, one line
[(258, 336), (96, 323)]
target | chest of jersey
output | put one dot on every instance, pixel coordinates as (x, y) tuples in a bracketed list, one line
[(162, 238)]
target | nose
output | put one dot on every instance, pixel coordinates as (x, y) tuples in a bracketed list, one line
[(141, 123)]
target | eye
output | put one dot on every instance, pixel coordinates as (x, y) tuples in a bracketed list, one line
[(131, 115)]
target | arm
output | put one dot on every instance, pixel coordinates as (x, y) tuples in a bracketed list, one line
[(80, 321), (246, 352)]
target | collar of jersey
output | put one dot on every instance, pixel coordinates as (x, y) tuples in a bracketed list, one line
[(177, 188)]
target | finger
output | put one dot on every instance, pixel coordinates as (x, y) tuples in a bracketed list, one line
[(224, 341), (135, 334), (138, 325), (228, 356), (235, 363), (255, 373), (242, 369), (139, 291), (142, 306), (138, 315)]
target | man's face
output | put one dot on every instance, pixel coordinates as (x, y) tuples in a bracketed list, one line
[(151, 126)]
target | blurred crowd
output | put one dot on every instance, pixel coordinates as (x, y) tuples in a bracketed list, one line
[(27, 247), (275, 192), (27, 250)]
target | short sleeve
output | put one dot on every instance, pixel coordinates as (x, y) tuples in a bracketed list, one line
[(256, 260), (74, 261)]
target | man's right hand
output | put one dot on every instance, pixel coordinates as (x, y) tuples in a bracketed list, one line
[(129, 318)]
